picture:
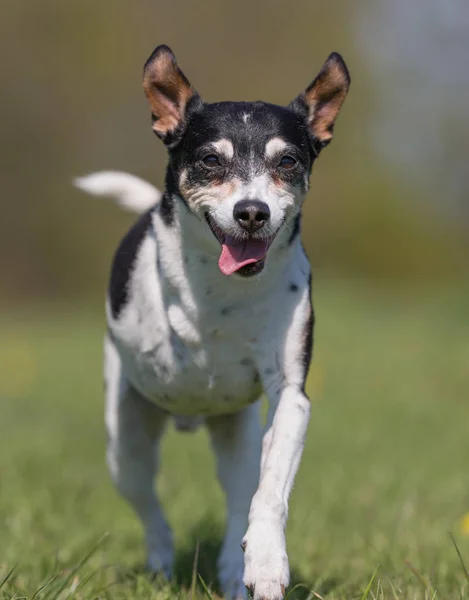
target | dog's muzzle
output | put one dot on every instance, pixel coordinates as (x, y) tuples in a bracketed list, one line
[(244, 256)]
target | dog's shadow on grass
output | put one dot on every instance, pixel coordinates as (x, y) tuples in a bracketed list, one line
[(200, 552), (203, 547)]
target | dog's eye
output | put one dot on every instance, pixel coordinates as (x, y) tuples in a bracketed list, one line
[(287, 162), (211, 160)]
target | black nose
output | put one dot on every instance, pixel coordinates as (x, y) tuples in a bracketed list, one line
[(252, 215)]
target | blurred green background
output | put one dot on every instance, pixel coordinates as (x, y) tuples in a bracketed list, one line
[(389, 196), (384, 477)]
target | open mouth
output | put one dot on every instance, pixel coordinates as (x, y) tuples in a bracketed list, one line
[(245, 257)]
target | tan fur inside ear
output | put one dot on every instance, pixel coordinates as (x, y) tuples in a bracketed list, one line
[(167, 90), (325, 96)]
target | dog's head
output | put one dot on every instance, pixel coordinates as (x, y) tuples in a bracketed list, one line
[(242, 167)]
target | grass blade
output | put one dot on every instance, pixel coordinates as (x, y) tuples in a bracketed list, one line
[(7, 576), (312, 594), (427, 586), (393, 590), (75, 570), (50, 581), (370, 583), (206, 590), (194, 570), (466, 573), (296, 587)]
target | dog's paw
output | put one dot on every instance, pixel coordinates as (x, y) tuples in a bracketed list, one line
[(230, 573), (160, 551), (160, 563), (266, 572)]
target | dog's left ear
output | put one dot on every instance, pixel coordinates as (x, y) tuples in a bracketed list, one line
[(168, 92), (322, 100)]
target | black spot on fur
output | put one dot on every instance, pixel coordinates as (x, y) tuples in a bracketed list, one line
[(123, 263), (256, 377), (167, 209), (308, 340), (295, 229), (293, 287), (225, 311), (251, 269)]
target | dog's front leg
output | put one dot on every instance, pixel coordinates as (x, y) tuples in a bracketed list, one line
[(266, 563), (236, 440)]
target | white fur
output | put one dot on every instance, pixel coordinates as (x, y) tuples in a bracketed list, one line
[(274, 146), (282, 203), (131, 193), (225, 147), (195, 344)]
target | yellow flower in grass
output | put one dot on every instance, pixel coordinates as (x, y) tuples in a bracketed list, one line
[(465, 524)]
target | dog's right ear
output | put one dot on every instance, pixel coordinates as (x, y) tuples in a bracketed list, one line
[(168, 92)]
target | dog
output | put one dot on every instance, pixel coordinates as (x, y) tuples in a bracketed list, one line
[(209, 307)]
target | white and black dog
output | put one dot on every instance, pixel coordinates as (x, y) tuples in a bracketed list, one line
[(209, 306)]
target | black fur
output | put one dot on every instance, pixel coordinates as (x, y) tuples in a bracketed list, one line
[(295, 230), (124, 261), (166, 209), (208, 123), (308, 338)]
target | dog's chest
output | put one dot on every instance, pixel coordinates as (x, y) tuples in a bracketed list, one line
[(200, 363)]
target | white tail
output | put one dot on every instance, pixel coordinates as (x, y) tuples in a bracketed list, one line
[(130, 192)]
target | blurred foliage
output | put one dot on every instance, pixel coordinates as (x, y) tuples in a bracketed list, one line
[(72, 103)]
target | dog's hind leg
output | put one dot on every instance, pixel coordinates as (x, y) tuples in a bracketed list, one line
[(236, 440), (134, 427)]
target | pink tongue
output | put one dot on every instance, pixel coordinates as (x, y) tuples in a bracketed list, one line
[(235, 254)]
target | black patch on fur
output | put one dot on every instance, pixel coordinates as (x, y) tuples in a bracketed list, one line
[(167, 209), (293, 287), (295, 229), (225, 311), (251, 269), (308, 336), (123, 263), (205, 124), (168, 201)]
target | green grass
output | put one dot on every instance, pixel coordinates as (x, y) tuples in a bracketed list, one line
[(384, 478)]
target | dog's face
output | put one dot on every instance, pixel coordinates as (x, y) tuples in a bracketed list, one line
[(242, 167)]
